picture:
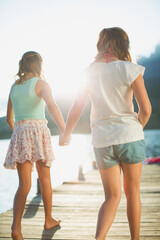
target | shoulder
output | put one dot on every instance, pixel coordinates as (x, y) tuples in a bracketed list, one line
[(131, 71), (93, 65), (92, 69), (130, 67), (41, 88), (12, 86), (41, 83), (123, 65)]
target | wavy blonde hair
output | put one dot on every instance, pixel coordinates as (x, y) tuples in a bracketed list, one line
[(115, 39), (31, 62)]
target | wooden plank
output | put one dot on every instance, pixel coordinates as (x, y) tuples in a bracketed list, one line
[(77, 204)]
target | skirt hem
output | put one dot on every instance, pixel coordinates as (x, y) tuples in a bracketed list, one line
[(13, 166)]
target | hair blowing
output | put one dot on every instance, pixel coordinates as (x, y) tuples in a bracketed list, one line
[(31, 62), (117, 40)]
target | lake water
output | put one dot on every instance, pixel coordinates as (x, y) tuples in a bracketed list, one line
[(66, 165)]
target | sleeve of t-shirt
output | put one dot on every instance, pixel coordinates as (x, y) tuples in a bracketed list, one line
[(133, 71)]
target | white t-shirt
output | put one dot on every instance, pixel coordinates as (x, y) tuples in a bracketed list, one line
[(113, 120)]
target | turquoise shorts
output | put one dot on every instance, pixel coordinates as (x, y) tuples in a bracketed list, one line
[(131, 153)]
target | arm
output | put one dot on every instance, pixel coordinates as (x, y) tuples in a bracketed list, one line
[(142, 99), (10, 114), (46, 93), (74, 115)]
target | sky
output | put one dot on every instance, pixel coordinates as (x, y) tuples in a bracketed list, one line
[(65, 33)]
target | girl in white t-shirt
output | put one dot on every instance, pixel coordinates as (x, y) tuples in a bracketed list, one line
[(117, 131)]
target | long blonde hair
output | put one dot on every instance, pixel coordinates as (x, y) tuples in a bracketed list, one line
[(115, 39), (31, 62)]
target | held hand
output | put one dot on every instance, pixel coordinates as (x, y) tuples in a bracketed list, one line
[(64, 140)]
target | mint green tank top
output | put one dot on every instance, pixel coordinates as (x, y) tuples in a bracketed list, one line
[(26, 104)]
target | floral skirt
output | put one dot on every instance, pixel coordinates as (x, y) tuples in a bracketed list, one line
[(30, 141)]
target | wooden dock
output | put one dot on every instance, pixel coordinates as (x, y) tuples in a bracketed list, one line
[(77, 204)]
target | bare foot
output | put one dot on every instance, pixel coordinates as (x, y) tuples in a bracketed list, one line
[(16, 235), (51, 223)]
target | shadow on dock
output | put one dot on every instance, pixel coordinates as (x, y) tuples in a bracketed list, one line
[(48, 234), (32, 207)]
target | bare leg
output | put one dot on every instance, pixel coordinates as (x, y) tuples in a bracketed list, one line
[(131, 182), (46, 189), (24, 173), (111, 179)]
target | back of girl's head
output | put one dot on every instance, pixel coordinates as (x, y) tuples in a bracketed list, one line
[(115, 39), (31, 62)]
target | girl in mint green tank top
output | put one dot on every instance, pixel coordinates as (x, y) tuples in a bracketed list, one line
[(31, 139)]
